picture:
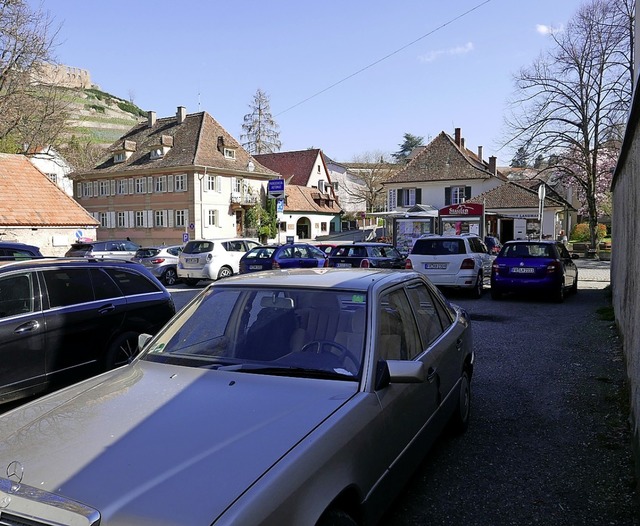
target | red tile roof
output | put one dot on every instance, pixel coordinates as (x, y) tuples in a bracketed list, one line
[(305, 199), (29, 198), (295, 167)]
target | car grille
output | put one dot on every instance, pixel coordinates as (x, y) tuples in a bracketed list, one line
[(7, 519)]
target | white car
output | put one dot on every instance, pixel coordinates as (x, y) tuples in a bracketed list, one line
[(460, 261), (212, 259)]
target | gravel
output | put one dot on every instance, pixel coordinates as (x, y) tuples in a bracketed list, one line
[(549, 440)]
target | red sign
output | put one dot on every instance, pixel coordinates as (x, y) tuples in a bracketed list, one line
[(462, 209)]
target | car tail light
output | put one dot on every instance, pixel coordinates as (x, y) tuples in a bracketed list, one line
[(275, 264), (157, 261), (468, 264), (408, 264), (209, 256), (365, 263), (554, 267)]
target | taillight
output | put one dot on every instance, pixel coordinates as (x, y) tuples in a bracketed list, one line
[(364, 263), (408, 263), (157, 261), (275, 264), (209, 256), (554, 267), (468, 264)]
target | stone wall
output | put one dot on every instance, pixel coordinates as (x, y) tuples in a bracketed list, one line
[(625, 262), (52, 241), (65, 76)]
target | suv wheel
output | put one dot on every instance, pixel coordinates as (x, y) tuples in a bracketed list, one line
[(476, 292), (122, 350)]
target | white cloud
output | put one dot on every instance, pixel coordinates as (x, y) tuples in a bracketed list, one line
[(544, 29), (435, 55)]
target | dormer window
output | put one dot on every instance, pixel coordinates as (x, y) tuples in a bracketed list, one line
[(119, 157), (229, 153), (123, 151), (157, 153)]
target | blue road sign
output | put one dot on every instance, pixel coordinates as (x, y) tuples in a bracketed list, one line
[(275, 188)]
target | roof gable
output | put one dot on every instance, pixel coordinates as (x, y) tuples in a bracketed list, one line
[(295, 167), (513, 195), (305, 199), (444, 160), (29, 198)]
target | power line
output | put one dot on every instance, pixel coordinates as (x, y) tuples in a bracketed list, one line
[(449, 22)]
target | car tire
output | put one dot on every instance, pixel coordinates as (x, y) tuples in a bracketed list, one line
[(574, 287), (559, 295), (476, 292), (336, 517), (459, 421), (191, 282), (121, 350), (225, 272), (169, 277)]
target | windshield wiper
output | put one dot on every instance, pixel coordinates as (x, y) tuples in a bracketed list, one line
[(287, 370)]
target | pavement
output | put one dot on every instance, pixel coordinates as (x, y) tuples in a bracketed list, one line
[(593, 273)]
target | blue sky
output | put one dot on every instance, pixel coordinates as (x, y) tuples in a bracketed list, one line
[(409, 66)]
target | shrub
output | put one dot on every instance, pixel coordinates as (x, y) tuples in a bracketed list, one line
[(580, 232)]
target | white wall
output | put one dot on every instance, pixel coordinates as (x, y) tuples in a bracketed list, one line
[(51, 241)]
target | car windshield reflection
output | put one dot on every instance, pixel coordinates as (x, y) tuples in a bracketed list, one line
[(295, 332)]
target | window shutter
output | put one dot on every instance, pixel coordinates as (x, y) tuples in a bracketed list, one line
[(131, 187), (149, 185), (418, 196), (78, 190), (95, 188), (467, 193), (412, 197), (447, 196), (111, 219), (205, 182), (215, 218), (186, 182), (113, 187), (130, 219), (170, 183), (170, 218), (186, 218), (149, 218), (219, 184)]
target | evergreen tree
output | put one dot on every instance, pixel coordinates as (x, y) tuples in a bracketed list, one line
[(520, 158), (406, 147), (261, 133)]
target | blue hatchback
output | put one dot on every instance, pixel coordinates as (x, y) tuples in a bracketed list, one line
[(534, 266), (296, 255)]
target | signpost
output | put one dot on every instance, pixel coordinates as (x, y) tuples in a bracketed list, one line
[(275, 188)]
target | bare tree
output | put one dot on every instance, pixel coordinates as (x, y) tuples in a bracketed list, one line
[(81, 154), (30, 112), (261, 133), (573, 101), (367, 172)]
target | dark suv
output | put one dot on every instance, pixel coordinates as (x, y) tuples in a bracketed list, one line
[(366, 255), (65, 319), (16, 251)]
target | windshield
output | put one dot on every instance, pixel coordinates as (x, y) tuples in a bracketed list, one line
[(268, 331)]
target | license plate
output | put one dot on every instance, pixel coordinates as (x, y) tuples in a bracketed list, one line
[(343, 265), (435, 266), (255, 267), (523, 270), (192, 260)]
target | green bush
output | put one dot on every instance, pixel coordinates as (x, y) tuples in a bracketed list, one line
[(580, 232)]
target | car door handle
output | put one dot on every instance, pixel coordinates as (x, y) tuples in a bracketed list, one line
[(459, 345), (27, 327), (106, 309), (431, 374)]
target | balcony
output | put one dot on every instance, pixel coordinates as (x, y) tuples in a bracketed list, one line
[(239, 200)]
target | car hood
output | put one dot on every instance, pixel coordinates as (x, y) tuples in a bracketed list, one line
[(153, 440)]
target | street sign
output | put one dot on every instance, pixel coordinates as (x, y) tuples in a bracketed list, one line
[(275, 188), (185, 237), (280, 206)]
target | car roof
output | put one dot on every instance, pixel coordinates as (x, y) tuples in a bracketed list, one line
[(15, 244), (532, 242), (65, 262), (320, 278)]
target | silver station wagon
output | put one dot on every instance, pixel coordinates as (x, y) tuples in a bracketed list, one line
[(292, 397)]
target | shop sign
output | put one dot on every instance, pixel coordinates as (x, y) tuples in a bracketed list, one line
[(462, 209)]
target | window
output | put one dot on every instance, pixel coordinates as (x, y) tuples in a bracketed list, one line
[(140, 215), (103, 286), (335, 186), (160, 218), (16, 295), (229, 153), (131, 283), (156, 153), (52, 177), (104, 220), (161, 183), (323, 226), (181, 218), (141, 185), (212, 218), (122, 188), (119, 157), (398, 336), (122, 219), (211, 183), (237, 184), (321, 188), (180, 183), (319, 169), (69, 286), (406, 197), (103, 188), (429, 322), (456, 195), (87, 189)]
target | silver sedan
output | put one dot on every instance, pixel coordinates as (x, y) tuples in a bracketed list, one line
[(299, 397)]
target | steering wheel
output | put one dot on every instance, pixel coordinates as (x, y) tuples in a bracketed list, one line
[(324, 346)]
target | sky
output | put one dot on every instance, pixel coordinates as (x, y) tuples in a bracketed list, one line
[(348, 76)]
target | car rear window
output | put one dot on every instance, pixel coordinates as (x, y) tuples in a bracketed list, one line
[(197, 247), (69, 286), (438, 247), (260, 253), (147, 252), (529, 250)]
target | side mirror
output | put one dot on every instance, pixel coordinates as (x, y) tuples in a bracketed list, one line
[(143, 339)]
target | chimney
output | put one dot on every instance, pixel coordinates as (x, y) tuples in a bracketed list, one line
[(151, 118), (480, 153), (458, 136), (181, 114), (492, 165), (462, 143)]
